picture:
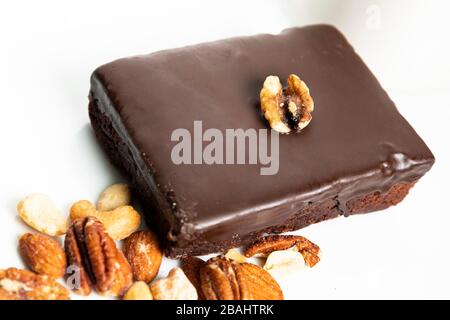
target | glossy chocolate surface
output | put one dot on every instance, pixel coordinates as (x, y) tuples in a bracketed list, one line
[(356, 143)]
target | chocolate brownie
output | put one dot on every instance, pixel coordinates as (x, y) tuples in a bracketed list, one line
[(356, 156)]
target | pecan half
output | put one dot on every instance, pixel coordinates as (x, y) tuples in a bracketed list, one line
[(98, 261), (77, 259), (223, 279), (266, 245), (286, 109), (218, 280), (16, 284)]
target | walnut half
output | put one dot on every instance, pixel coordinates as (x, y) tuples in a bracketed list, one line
[(287, 109)]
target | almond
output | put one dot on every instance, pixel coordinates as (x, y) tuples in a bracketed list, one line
[(256, 283), (43, 254), (144, 254)]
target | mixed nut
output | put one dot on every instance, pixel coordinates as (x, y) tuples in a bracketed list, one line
[(144, 254), (91, 259), (286, 109), (17, 284)]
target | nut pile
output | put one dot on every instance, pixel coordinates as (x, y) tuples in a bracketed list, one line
[(231, 277), (287, 109), (91, 258)]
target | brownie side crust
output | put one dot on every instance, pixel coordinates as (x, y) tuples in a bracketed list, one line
[(121, 155)]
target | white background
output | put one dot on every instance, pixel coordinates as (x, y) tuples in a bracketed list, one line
[(49, 48)]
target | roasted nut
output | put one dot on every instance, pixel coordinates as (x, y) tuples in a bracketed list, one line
[(286, 109), (93, 252), (175, 287), (296, 88), (16, 284), (123, 277), (223, 279), (235, 255), (113, 197), (266, 245), (119, 223), (40, 213), (111, 272), (191, 267), (262, 247), (78, 259), (284, 262), (256, 283), (82, 209), (138, 291), (272, 105), (144, 254), (43, 254), (218, 280)]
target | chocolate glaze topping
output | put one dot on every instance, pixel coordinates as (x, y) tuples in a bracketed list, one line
[(357, 142)]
